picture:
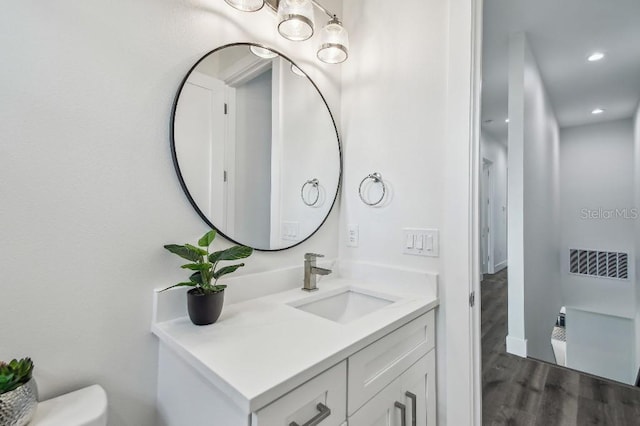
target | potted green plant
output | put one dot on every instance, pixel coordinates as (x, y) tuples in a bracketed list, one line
[(205, 299), (18, 392)]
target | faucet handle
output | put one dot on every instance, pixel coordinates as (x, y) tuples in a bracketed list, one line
[(311, 256)]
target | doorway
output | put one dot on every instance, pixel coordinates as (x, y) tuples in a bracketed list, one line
[(486, 218)]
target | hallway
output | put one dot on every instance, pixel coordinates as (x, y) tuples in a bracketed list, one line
[(518, 391)]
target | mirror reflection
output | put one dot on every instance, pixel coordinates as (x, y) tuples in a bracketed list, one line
[(256, 147), (559, 184)]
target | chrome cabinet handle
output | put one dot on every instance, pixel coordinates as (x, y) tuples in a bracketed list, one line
[(403, 413), (323, 413), (414, 403)]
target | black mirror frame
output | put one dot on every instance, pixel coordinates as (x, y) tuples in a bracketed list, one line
[(177, 165)]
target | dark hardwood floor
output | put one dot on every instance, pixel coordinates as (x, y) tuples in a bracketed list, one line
[(519, 391)]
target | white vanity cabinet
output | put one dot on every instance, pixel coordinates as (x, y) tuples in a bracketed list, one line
[(390, 382), (267, 362)]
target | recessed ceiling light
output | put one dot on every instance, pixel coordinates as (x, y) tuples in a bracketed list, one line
[(597, 111), (595, 57), (506, 120)]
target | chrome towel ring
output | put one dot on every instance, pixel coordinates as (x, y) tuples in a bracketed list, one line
[(313, 182), (376, 178)]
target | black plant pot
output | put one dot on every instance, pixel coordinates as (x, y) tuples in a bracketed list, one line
[(204, 309)]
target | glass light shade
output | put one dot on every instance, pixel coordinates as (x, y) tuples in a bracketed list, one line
[(295, 19), (246, 5), (334, 43), (262, 52), (297, 71)]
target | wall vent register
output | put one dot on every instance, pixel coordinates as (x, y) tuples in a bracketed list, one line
[(602, 264)]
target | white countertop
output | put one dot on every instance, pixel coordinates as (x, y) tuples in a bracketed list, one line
[(262, 348)]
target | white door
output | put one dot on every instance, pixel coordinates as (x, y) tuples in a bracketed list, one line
[(200, 144), (485, 214)]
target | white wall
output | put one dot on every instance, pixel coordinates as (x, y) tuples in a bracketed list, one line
[(401, 68), (253, 161), (533, 207), (88, 190), (596, 163), (602, 345), (597, 172), (309, 149), (393, 123), (496, 152)]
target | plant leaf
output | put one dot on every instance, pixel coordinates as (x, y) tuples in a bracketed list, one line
[(184, 252), (189, 284), (207, 238), (218, 288), (198, 250), (196, 278), (232, 253), (197, 266), (226, 270)]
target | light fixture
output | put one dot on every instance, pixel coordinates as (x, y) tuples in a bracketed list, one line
[(334, 42), (295, 19), (246, 5), (595, 57), (506, 120), (297, 71), (263, 52), (296, 23), (597, 111)]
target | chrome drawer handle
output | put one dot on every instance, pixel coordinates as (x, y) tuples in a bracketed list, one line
[(403, 413), (323, 413), (414, 403)]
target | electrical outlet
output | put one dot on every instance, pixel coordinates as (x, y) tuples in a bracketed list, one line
[(353, 235), (290, 231)]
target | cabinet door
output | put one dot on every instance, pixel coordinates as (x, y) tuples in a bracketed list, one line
[(381, 409), (418, 388), (413, 395)]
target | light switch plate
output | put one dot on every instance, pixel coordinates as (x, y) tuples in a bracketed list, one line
[(290, 231), (425, 242), (353, 235)]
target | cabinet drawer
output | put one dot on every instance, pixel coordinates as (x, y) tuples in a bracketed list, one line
[(377, 365), (302, 404)]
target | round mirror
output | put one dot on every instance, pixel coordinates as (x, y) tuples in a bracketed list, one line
[(255, 147)]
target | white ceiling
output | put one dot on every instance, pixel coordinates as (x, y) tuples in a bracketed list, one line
[(562, 34)]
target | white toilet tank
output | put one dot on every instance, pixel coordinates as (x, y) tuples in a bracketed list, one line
[(84, 407)]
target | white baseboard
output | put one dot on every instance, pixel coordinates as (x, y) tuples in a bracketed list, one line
[(500, 266), (517, 346)]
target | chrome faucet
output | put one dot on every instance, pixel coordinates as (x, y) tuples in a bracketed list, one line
[(311, 271)]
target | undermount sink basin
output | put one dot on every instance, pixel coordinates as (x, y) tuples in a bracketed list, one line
[(345, 307)]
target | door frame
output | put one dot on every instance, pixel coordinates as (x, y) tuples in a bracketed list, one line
[(476, 96), (460, 262)]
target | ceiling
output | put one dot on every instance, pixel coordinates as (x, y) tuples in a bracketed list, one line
[(562, 35)]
